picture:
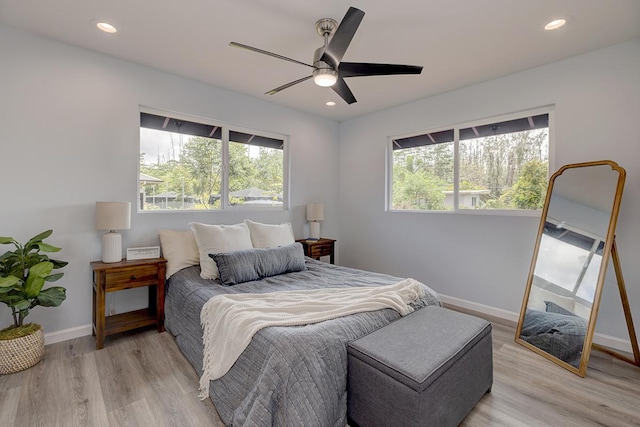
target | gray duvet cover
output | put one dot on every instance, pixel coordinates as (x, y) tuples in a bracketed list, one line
[(287, 376)]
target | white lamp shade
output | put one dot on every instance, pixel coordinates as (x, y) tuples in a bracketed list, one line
[(113, 215), (315, 211)]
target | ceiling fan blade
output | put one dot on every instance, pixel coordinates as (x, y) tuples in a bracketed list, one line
[(343, 90), (265, 52), (358, 69), (278, 89), (342, 37)]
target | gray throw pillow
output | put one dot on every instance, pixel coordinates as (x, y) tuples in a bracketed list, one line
[(254, 264), (552, 307)]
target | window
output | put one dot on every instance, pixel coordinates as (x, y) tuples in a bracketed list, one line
[(489, 165), (194, 165), (580, 258)]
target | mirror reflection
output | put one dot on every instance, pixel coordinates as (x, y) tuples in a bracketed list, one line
[(569, 260)]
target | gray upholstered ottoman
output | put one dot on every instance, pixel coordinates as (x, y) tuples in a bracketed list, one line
[(429, 368)]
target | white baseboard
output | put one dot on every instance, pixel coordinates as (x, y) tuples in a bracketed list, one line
[(67, 334), (604, 340), (481, 308), (613, 343)]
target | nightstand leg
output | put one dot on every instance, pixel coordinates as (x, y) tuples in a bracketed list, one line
[(93, 312), (160, 294), (100, 314)]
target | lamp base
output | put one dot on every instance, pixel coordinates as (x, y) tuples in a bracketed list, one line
[(314, 230), (111, 247)]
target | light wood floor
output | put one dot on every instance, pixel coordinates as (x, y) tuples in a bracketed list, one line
[(141, 379)]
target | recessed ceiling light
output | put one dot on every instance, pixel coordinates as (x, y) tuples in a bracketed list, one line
[(106, 27), (555, 24), (330, 103)]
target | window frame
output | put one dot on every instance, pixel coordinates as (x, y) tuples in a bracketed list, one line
[(225, 206), (548, 109)]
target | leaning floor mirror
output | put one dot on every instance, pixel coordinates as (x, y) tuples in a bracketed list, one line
[(575, 241)]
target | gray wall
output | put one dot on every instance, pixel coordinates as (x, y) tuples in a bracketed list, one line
[(69, 133), (485, 259)]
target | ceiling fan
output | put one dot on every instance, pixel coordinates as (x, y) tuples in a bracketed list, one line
[(328, 68)]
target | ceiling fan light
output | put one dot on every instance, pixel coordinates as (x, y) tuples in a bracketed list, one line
[(325, 77)]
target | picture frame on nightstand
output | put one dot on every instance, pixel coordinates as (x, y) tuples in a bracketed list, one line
[(148, 252)]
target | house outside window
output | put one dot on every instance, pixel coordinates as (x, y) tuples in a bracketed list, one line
[(501, 164), (194, 164)]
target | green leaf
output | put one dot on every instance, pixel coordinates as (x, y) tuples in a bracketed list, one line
[(52, 297), (58, 264), (39, 238), (7, 298), (44, 247), (33, 286), (6, 282), (6, 240), (10, 299), (42, 269), (22, 305), (35, 280), (34, 258), (9, 289), (53, 277)]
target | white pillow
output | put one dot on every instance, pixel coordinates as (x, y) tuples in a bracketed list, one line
[(180, 250), (270, 235), (214, 239)]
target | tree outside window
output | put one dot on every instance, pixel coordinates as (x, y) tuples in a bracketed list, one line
[(183, 165), (501, 165)]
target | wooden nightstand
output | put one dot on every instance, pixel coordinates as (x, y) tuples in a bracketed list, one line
[(122, 275), (319, 248)]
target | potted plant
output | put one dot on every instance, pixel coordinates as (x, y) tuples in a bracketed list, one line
[(23, 274)]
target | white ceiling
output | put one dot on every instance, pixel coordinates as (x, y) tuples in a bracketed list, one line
[(459, 42)]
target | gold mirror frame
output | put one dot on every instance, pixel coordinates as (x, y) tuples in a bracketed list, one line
[(609, 249)]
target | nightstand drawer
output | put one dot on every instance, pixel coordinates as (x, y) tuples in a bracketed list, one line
[(131, 278), (321, 250)]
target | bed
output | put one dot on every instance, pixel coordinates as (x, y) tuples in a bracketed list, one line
[(294, 375), (556, 331)]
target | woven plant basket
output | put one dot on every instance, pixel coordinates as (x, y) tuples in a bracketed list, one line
[(21, 353)]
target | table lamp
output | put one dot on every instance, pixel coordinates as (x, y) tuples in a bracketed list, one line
[(112, 216), (315, 214)]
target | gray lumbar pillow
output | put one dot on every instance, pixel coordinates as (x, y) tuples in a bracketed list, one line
[(254, 264)]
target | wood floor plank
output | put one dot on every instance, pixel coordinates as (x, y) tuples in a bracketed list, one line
[(9, 400), (62, 392), (87, 404), (141, 378), (71, 348), (136, 414), (120, 379), (154, 372), (7, 382)]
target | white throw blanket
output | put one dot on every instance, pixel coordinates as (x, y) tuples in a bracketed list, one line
[(230, 321)]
